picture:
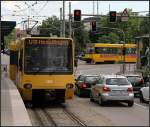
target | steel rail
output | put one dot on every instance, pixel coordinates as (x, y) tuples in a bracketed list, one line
[(73, 117)]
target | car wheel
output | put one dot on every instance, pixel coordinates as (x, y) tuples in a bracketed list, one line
[(141, 97), (100, 101), (130, 103), (91, 97)]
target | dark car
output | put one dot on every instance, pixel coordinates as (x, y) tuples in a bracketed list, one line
[(136, 81), (83, 84), (6, 51)]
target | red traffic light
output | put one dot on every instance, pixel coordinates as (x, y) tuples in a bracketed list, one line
[(93, 23), (113, 14), (77, 15)]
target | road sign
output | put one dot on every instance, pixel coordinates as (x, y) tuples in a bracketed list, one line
[(125, 15)]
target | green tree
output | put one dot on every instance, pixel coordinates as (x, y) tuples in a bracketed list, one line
[(144, 26), (81, 36), (133, 27), (50, 26), (11, 37)]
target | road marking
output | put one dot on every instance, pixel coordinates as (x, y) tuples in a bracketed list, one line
[(140, 105)]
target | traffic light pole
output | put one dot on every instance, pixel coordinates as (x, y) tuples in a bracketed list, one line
[(63, 18), (70, 18), (61, 22)]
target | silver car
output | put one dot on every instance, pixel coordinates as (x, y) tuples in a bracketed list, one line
[(112, 88), (144, 93)]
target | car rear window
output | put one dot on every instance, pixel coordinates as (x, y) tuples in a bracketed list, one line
[(117, 81), (91, 79), (134, 78)]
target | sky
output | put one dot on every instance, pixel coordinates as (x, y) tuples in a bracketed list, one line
[(20, 10)]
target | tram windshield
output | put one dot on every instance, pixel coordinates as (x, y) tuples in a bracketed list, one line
[(48, 56)]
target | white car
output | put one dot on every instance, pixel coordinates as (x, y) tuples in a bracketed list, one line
[(112, 88), (144, 93)]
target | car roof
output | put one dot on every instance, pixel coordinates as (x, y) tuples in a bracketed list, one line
[(133, 75), (89, 75), (113, 76)]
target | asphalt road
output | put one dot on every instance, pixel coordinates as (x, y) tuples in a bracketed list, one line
[(118, 114), (112, 114), (84, 68)]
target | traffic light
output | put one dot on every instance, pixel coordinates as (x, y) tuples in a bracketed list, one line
[(93, 23), (112, 16), (77, 15)]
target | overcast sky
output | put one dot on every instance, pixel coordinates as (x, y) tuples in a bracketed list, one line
[(22, 9)]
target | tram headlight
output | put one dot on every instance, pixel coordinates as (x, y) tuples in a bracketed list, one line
[(69, 86), (28, 86)]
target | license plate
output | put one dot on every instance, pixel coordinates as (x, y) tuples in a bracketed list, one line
[(118, 93)]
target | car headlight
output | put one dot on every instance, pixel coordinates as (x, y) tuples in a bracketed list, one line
[(28, 86), (69, 86)]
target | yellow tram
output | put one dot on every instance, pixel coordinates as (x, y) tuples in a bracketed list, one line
[(43, 67), (103, 52)]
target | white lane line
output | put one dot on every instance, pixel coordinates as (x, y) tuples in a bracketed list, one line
[(140, 105)]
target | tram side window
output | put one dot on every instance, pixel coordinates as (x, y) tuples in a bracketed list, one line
[(130, 51), (20, 60), (103, 50), (90, 50)]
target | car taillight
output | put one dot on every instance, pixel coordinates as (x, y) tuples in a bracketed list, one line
[(83, 85), (130, 89), (106, 89), (142, 81)]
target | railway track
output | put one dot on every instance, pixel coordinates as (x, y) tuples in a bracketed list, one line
[(53, 117), (74, 118)]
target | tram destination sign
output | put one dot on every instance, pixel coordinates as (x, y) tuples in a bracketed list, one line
[(47, 42)]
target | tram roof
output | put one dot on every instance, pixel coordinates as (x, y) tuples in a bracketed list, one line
[(109, 45), (59, 38)]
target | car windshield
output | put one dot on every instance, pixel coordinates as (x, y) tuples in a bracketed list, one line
[(48, 56), (117, 81), (91, 79)]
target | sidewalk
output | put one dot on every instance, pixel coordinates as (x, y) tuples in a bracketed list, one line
[(13, 111)]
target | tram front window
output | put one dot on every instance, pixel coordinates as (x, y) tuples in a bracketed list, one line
[(48, 57)]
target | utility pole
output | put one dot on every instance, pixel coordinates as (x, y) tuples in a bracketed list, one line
[(70, 18), (124, 65), (60, 22), (93, 7), (97, 7), (63, 18), (28, 22)]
